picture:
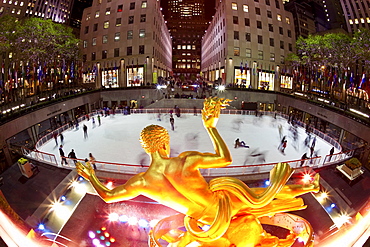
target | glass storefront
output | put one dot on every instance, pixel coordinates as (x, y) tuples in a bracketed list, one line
[(266, 80), (135, 76), (242, 78), (110, 78)]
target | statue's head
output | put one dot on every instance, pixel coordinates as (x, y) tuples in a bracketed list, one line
[(153, 138)]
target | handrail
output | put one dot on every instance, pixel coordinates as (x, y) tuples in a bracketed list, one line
[(315, 162)]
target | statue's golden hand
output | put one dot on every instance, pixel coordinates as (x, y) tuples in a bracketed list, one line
[(84, 170), (212, 109)]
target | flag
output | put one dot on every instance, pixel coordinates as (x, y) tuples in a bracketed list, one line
[(72, 70), (241, 67), (363, 80)]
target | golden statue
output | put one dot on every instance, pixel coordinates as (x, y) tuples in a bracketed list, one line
[(228, 206)]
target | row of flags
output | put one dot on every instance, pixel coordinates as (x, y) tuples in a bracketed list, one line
[(334, 78)]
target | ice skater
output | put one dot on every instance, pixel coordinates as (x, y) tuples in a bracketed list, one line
[(61, 138), (92, 160), (55, 136), (172, 121), (62, 155), (239, 143), (93, 122), (303, 158), (72, 155), (283, 146), (85, 131), (99, 121)]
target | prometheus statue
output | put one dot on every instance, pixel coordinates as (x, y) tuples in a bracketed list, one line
[(228, 206)]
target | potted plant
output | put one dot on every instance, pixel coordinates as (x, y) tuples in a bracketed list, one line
[(353, 163)]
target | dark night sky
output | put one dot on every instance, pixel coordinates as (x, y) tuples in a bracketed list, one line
[(209, 6)]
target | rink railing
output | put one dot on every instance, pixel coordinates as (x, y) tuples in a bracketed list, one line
[(315, 162)]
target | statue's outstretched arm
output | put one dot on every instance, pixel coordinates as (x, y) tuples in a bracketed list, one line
[(210, 115), (127, 191)]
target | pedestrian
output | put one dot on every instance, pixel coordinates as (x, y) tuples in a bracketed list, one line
[(85, 130), (283, 146), (280, 127), (195, 110), (303, 158), (282, 142), (61, 138), (331, 153), (93, 122), (313, 142), (62, 155), (92, 160), (72, 155), (76, 124), (312, 149), (99, 120), (55, 136), (172, 121)]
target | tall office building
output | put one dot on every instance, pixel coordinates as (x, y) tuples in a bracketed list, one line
[(304, 19), (125, 44), (246, 44), (56, 10), (187, 24), (356, 14)]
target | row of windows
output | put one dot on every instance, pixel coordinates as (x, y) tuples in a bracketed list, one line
[(259, 26), (108, 10), (247, 21), (234, 6), (14, 2), (116, 53), (248, 54), (18, 11), (118, 23), (260, 40), (117, 37)]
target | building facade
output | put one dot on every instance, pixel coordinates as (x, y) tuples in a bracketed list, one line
[(56, 10), (125, 43), (246, 45), (187, 24), (356, 14)]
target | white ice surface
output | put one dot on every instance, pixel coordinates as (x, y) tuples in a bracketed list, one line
[(117, 139)]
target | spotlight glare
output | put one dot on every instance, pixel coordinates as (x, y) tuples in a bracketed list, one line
[(110, 185), (113, 217), (41, 227), (267, 182), (205, 227), (96, 242), (132, 220), (123, 218), (221, 88), (63, 198), (91, 234), (153, 223), (143, 223), (306, 178), (332, 205)]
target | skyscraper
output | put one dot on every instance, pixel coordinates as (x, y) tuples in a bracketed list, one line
[(187, 23), (356, 14)]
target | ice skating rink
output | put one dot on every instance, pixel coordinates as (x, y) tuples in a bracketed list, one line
[(117, 138)]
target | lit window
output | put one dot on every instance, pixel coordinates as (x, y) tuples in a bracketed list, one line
[(129, 34), (144, 4), (272, 57), (362, 20), (118, 22), (189, 47), (107, 11), (248, 52), (356, 21), (236, 51), (351, 22), (287, 20), (106, 24), (18, 12), (234, 6), (21, 4), (117, 36), (367, 19), (279, 17), (97, 14), (141, 33), (85, 43), (178, 47), (245, 8), (120, 8), (193, 47), (87, 16), (105, 39), (94, 41)]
